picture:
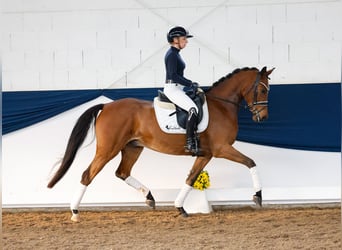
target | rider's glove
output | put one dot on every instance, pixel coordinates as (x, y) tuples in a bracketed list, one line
[(191, 90), (195, 85)]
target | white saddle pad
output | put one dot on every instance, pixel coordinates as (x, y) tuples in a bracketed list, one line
[(169, 124)]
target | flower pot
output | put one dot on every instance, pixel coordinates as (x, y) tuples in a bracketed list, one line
[(197, 202)]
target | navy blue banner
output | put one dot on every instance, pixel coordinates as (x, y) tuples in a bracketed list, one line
[(25, 108), (301, 116)]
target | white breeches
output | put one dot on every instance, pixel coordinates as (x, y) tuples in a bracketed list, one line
[(176, 94)]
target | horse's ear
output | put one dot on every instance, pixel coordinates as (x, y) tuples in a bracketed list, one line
[(263, 71), (270, 71)]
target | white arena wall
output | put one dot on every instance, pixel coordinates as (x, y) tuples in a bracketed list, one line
[(288, 176), (83, 44)]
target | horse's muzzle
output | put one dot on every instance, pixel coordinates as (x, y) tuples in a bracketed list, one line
[(264, 118), (260, 115)]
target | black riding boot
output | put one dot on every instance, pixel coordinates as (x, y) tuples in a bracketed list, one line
[(191, 138)]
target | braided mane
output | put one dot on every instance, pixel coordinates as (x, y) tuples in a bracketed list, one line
[(222, 79)]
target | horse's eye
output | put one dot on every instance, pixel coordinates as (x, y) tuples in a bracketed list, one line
[(263, 91)]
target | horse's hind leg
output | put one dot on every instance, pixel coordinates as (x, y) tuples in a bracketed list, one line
[(99, 161), (129, 155)]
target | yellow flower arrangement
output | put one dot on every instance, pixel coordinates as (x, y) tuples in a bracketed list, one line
[(202, 182)]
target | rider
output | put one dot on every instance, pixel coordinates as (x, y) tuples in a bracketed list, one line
[(176, 84)]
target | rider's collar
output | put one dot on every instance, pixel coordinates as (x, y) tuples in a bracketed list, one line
[(175, 49)]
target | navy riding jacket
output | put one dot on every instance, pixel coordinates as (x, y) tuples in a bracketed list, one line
[(175, 66)]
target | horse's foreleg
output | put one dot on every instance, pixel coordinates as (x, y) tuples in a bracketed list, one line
[(196, 169), (257, 197), (232, 154), (129, 155)]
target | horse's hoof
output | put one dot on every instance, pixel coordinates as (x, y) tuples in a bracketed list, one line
[(151, 203), (75, 217), (182, 212), (257, 198), (150, 200)]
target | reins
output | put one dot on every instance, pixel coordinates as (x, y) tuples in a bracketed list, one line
[(254, 103), (226, 100)]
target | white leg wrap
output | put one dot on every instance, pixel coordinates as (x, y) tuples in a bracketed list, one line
[(182, 195), (78, 197), (137, 185), (255, 178)]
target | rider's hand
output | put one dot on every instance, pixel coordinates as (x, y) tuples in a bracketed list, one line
[(191, 90), (195, 85)]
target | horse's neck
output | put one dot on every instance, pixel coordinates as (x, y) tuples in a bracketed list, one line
[(229, 90)]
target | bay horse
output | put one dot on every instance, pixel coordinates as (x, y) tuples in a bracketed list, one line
[(128, 125)]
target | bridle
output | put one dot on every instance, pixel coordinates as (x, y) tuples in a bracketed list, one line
[(263, 104), (251, 106)]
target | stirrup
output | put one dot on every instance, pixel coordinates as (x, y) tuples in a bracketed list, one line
[(190, 144), (192, 147)]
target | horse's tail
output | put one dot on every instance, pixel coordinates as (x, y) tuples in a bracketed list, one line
[(76, 139)]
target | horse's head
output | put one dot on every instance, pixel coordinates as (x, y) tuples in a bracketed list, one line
[(247, 83), (256, 95)]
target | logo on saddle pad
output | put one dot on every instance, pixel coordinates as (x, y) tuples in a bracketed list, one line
[(172, 119)]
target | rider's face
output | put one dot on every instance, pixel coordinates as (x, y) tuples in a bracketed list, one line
[(181, 42)]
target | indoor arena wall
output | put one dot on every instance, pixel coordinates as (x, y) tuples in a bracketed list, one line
[(50, 45), (82, 44)]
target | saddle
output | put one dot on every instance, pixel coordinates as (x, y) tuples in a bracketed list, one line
[(182, 114), (172, 119)]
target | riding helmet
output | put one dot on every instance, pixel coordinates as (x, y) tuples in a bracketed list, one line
[(177, 31)]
